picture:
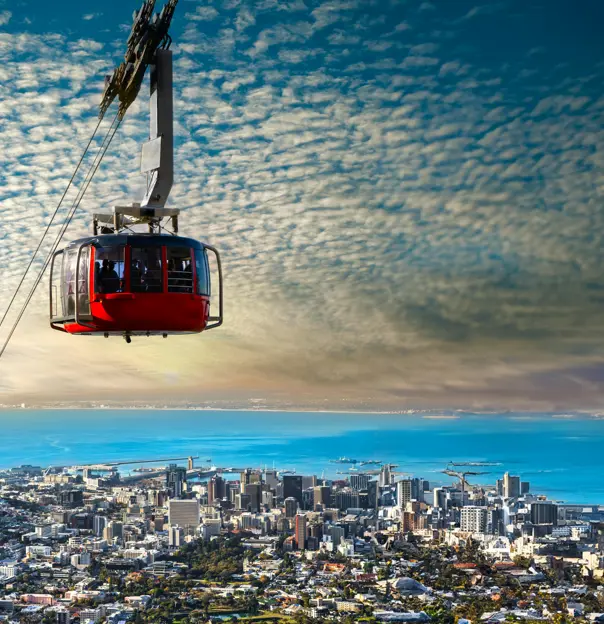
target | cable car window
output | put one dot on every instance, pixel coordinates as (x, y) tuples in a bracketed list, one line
[(180, 270), (145, 269), (203, 272), (68, 282), (83, 275), (109, 269)]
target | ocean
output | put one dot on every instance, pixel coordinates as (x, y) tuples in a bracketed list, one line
[(561, 456)]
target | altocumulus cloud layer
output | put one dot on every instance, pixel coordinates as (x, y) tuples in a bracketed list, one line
[(408, 196)]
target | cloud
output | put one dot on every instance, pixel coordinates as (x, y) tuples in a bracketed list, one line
[(203, 14), (402, 222), (484, 9), (90, 16)]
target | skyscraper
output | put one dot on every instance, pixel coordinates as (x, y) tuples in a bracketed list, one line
[(62, 616), (473, 519), (372, 495), (254, 491), (385, 475), (346, 499), (271, 479), (359, 481), (336, 533), (175, 537), (216, 489), (511, 486), (292, 487), (440, 499), (291, 507), (544, 513), (300, 531), (495, 521), (322, 495), (176, 477), (100, 522), (404, 492), (184, 513)]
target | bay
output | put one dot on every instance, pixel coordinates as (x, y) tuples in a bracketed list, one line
[(562, 457)]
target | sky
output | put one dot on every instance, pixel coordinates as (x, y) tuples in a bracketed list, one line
[(407, 196)]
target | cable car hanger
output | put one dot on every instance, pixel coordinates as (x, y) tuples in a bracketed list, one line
[(162, 282)]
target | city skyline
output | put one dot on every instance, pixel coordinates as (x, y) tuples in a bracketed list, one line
[(277, 545), (407, 196)]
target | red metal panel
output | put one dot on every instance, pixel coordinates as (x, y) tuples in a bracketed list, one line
[(146, 312)]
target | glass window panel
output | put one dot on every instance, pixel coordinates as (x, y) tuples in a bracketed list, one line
[(203, 272), (69, 287), (109, 269), (146, 270), (180, 270), (83, 275)]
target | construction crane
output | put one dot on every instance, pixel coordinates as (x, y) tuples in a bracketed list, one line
[(462, 474)]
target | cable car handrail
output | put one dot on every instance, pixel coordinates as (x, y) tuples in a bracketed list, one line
[(216, 320)]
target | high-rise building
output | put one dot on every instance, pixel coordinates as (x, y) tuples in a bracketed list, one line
[(176, 536), (372, 495), (359, 481), (336, 533), (232, 488), (113, 530), (292, 487), (254, 491), (309, 482), (62, 616), (511, 486), (70, 498), (176, 477), (346, 499), (271, 479), (99, 523), (525, 487), (184, 513), (216, 489), (544, 513), (268, 499), (322, 495), (249, 476), (291, 507), (473, 519), (495, 521), (300, 531), (404, 492), (243, 501), (385, 475), (440, 499)]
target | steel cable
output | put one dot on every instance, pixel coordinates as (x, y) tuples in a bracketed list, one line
[(87, 180), (52, 218)]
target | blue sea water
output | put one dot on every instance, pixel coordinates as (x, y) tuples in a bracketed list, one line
[(561, 457)]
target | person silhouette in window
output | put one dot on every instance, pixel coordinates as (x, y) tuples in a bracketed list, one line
[(110, 280)]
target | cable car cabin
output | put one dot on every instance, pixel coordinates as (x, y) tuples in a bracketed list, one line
[(133, 285)]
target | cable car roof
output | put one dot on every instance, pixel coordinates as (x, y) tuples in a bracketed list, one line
[(138, 239)]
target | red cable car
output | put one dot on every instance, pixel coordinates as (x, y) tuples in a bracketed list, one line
[(124, 282), (133, 285)]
